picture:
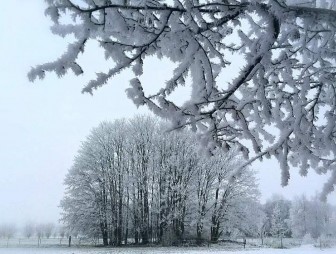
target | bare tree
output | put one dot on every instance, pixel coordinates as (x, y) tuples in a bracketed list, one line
[(7, 230), (29, 229), (62, 231), (48, 229), (39, 229)]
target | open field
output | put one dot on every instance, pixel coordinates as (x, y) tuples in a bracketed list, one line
[(81, 246), (169, 250), (43, 242), (84, 242)]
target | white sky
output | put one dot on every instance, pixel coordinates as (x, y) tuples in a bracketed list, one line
[(42, 124)]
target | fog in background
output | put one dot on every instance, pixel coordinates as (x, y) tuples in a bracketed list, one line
[(43, 124)]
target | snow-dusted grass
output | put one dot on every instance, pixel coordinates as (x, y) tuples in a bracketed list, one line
[(59, 246), (275, 242), (44, 242), (55, 246), (169, 250)]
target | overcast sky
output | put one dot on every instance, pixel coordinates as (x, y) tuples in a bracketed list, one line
[(42, 124)]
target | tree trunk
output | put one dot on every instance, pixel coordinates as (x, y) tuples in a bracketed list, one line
[(120, 221), (104, 234), (199, 231), (214, 230), (127, 215), (145, 224)]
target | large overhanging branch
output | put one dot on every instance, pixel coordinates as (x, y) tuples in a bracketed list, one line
[(285, 83), (204, 8)]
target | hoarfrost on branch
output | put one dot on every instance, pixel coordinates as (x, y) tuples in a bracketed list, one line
[(286, 80)]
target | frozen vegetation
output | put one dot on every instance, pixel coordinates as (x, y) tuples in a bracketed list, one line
[(130, 183), (52, 246), (305, 249), (261, 73), (129, 180)]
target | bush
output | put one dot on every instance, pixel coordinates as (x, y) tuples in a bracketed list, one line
[(307, 239)]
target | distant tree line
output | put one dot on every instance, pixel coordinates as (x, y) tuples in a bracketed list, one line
[(131, 183), (7, 230), (34, 230), (298, 218)]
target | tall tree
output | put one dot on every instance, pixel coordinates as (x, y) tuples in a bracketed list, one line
[(320, 214), (280, 203), (311, 217), (279, 225), (299, 216), (286, 50), (232, 194)]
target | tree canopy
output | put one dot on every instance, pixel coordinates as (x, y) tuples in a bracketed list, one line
[(280, 54), (129, 180)]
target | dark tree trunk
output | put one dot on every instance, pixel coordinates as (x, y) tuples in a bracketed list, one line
[(127, 215), (104, 233), (120, 201), (199, 231), (144, 233), (214, 230), (120, 221), (126, 235)]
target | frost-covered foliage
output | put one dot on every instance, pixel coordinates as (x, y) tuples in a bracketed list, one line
[(311, 217), (228, 202), (279, 225), (299, 218), (130, 181), (277, 210), (284, 77)]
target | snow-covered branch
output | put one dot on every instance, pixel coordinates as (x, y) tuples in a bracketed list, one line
[(281, 55)]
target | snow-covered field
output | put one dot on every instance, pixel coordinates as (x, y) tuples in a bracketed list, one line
[(170, 250), (58, 246)]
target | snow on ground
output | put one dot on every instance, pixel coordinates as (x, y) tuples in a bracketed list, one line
[(169, 250)]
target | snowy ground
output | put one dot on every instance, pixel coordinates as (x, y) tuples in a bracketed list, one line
[(169, 250), (58, 246)]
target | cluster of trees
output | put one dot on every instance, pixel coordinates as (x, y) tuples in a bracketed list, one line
[(130, 181), (286, 50), (41, 230), (299, 217), (7, 230), (30, 229)]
